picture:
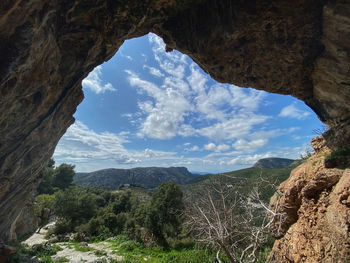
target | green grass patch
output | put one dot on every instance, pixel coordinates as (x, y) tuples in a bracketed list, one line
[(135, 252), (79, 248)]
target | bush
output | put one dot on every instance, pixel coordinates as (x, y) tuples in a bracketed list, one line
[(42, 250), (130, 245), (63, 226), (183, 243)]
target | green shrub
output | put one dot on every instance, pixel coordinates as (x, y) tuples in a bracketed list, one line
[(62, 226), (183, 243), (130, 245), (189, 256)]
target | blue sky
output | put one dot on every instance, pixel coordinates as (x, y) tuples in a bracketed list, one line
[(146, 107)]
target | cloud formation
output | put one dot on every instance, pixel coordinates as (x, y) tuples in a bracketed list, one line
[(291, 111), (185, 105), (82, 145), (94, 82), (216, 148)]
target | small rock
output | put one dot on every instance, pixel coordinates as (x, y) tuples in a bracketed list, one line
[(83, 244)]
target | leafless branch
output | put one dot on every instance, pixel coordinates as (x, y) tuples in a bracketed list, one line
[(220, 217)]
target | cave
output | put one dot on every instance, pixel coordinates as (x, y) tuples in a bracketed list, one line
[(300, 48)]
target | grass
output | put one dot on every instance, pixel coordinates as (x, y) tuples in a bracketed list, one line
[(79, 248), (43, 252), (135, 252)]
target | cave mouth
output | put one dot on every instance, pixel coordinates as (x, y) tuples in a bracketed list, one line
[(148, 107)]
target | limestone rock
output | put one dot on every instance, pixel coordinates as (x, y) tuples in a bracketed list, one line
[(315, 203), (26, 222)]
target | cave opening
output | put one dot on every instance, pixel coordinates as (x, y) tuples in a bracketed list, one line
[(148, 107)]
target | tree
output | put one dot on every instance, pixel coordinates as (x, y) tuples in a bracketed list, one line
[(60, 177), (217, 215), (162, 215), (63, 176), (45, 186)]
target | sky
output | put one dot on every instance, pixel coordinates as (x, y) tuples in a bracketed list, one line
[(146, 107)]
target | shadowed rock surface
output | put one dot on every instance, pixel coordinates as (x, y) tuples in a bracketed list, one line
[(47, 47)]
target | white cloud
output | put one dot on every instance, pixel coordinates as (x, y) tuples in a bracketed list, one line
[(194, 148), (166, 114), (154, 71), (210, 147), (248, 159), (291, 111), (86, 144), (223, 148), (225, 112), (94, 83), (86, 148), (249, 146), (238, 126), (216, 148)]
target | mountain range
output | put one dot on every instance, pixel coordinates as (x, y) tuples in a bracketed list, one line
[(147, 177), (151, 177)]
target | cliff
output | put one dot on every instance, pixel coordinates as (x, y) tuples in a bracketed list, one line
[(47, 47), (314, 203)]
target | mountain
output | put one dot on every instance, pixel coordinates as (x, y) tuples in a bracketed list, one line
[(148, 177), (248, 178), (273, 163)]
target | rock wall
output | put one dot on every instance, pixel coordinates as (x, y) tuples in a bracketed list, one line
[(315, 203), (298, 47)]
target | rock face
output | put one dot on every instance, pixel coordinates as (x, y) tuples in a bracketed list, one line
[(300, 47), (315, 202), (25, 223)]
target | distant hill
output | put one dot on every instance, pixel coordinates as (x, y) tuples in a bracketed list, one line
[(148, 177), (273, 163), (78, 175), (247, 178)]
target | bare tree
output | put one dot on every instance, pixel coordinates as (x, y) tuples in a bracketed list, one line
[(219, 216)]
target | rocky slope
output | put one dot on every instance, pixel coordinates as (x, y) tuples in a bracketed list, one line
[(273, 163), (300, 47), (148, 177), (315, 203)]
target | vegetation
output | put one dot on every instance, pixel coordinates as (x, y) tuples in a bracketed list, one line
[(344, 151), (147, 177), (245, 180), (96, 213), (221, 217), (56, 178), (168, 224)]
